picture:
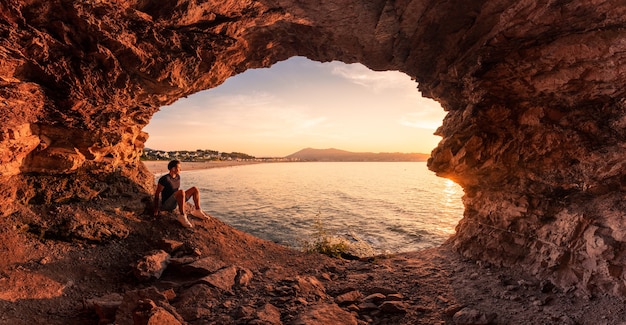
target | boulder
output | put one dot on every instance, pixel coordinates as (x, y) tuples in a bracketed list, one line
[(393, 307), (268, 314), (152, 265), (325, 314), (147, 313), (223, 279), (348, 298), (146, 306)]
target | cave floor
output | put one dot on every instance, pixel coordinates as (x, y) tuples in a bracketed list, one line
[(52, 280)]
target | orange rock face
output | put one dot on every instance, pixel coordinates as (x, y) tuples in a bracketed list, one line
[(535, 131)]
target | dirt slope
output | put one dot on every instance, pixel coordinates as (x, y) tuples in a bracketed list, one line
[(52, 271)]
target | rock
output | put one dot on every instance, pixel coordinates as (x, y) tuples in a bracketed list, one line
[(177, 262), (151, 266), (325, 314), (146, 306), (169, 245), (349, 298), (194, 313), (393, 307), (223, 279), (375, 298), (196, 301), (310, 288), (244, 312), (400, 297), (452, 310), (353, 308), (106, 307), (368, 306), (381, 290), (229, 277), (243, 278), (469, 316), (201, 267), (147, 313), (268, 315), (169, 294)]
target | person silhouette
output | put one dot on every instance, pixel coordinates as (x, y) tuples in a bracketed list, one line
[(168, 196)]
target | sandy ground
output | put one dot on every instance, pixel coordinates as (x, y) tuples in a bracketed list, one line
[(157, 167)]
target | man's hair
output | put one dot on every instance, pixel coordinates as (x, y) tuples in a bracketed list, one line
[(172, 164)]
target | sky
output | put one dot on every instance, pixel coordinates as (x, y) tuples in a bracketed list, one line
[(297, 104)]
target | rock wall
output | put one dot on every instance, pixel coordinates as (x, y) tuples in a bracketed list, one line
[(534, 90), (538, 144)]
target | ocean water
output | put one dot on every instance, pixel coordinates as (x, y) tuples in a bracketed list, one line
[(385, 207)]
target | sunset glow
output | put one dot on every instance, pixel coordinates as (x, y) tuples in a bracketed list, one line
[(299, 103)]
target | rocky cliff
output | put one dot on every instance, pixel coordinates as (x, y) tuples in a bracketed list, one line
[(535, 131)]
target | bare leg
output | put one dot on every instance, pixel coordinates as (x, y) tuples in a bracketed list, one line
[(182, 217), (195, 194), (180, 199)]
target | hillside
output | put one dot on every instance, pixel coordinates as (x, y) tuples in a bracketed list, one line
[(331, 154)]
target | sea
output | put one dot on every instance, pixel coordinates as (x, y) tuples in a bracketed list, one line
[(377, 207)]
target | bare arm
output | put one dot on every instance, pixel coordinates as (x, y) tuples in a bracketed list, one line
[(157, 196)]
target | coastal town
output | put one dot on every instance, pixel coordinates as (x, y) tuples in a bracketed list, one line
[(307, 154), (205, 155)]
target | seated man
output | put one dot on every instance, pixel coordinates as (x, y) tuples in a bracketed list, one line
[(171, 196)]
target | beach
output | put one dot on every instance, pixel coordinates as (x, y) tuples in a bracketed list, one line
[(160, 166)]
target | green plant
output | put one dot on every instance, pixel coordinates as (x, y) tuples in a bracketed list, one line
[(324, 243)]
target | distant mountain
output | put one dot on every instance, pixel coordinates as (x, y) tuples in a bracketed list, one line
[(332, 154)]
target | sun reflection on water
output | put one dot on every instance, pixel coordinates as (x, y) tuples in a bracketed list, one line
[(451, 190), (450, 194)]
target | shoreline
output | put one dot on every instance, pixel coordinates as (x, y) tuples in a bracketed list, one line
[(160, 166)]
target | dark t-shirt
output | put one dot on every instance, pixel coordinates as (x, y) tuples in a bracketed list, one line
[(170, 185)]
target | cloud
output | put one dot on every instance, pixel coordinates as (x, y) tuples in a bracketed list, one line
[(422, 120), (255, 114), (302, 103), (373, 80)]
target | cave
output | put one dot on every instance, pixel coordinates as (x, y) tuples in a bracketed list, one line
[(534, 92)]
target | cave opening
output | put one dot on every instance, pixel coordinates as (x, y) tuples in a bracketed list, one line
[(272, 114), (535, 133)]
